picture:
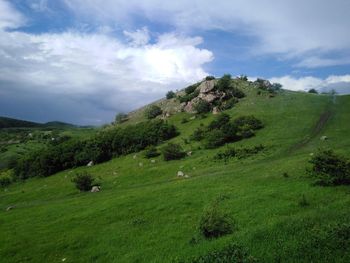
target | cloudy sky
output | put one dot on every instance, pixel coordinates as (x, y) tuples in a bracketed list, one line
[(82, 61)]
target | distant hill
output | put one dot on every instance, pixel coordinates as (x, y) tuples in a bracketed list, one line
[(15, 123), (6, 122)]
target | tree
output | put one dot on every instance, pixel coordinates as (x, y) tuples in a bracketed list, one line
[(209, 77), (170, 95), (173, 151), (153, 111)]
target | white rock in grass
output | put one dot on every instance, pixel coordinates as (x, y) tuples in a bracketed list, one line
[(91, 163), (95, 189), (186, 176), (180, 174), (134, 157), (140, 164), (153, 161)]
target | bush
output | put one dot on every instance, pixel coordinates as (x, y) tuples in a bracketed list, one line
[(209, 77), (151, 151), (229, 104), (250, 120), (83, 181), (219, 121), (190, 89), (153, 111), (173, 152), (224, 83), (184, 120), (170, 95), (202, 106), (188, 97), (330, 169), (198, 134), (5, 178), (214, 139), (120, 118), (215, 223), (313, 91)]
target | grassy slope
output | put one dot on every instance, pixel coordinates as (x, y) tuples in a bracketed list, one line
[(146, 214)]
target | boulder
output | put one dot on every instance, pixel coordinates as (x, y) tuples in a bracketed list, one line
[(95, 189), (189, 153), (206, 86), (324, 138), (134, 157), (209, 97), (91, 163), (153, 161), (140, 164)]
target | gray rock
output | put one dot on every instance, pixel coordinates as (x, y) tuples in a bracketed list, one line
[(324, 138), (209, 97), (216, 110), (95, 189), (91, 163), (206, 86), (153, 161), (189, 153)]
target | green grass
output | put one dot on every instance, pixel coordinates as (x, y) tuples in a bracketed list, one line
[(147, 214)]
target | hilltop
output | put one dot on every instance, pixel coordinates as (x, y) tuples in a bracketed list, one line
[(147, 211), (6, 122)]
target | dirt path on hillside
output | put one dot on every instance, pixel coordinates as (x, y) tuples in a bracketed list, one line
[(316, 130)]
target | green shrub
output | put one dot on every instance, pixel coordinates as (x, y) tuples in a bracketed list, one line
[(239, 153), (151, 151), (83, 181), (173, 151), (198, 134), (250, 120), (5, 178), (229, 104), (190, 89), (209, 77), (184, 120), (224, 83), (214, 139), (330, 169), (202, 107), (188, 97), (170, 95), (120, 118), (229, 254), (215, 223), (153, 111), (313, 91), (221, 120)]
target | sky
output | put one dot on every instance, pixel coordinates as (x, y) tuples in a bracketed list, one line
[(83, 61)]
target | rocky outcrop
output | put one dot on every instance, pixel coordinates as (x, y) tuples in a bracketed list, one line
[(206, 86)]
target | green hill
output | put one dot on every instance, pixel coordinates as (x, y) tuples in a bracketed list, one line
[(146, 213)]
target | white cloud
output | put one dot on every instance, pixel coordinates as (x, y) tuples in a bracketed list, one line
[(9, 17), (292, 28), (98, 67), (139, 37), (339, 83)]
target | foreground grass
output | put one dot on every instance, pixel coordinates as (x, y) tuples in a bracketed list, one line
[(146, 214)]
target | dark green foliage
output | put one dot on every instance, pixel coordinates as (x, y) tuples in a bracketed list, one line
[(173, 151), (215, 223), (170, 95), (330, 169), (313, 91), (224, 83), (209, 77), (151, 151), (230, 103), (202, 107), (5, 178), (220, 121), (222, 130), (276, 86), (192, 88), (239, 153), (83, 181), (100, 148), (188, 97), (214, 139), (229, 254), (243, 77), (236, 92), (153, 111), (249, 120), (120, 118)]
